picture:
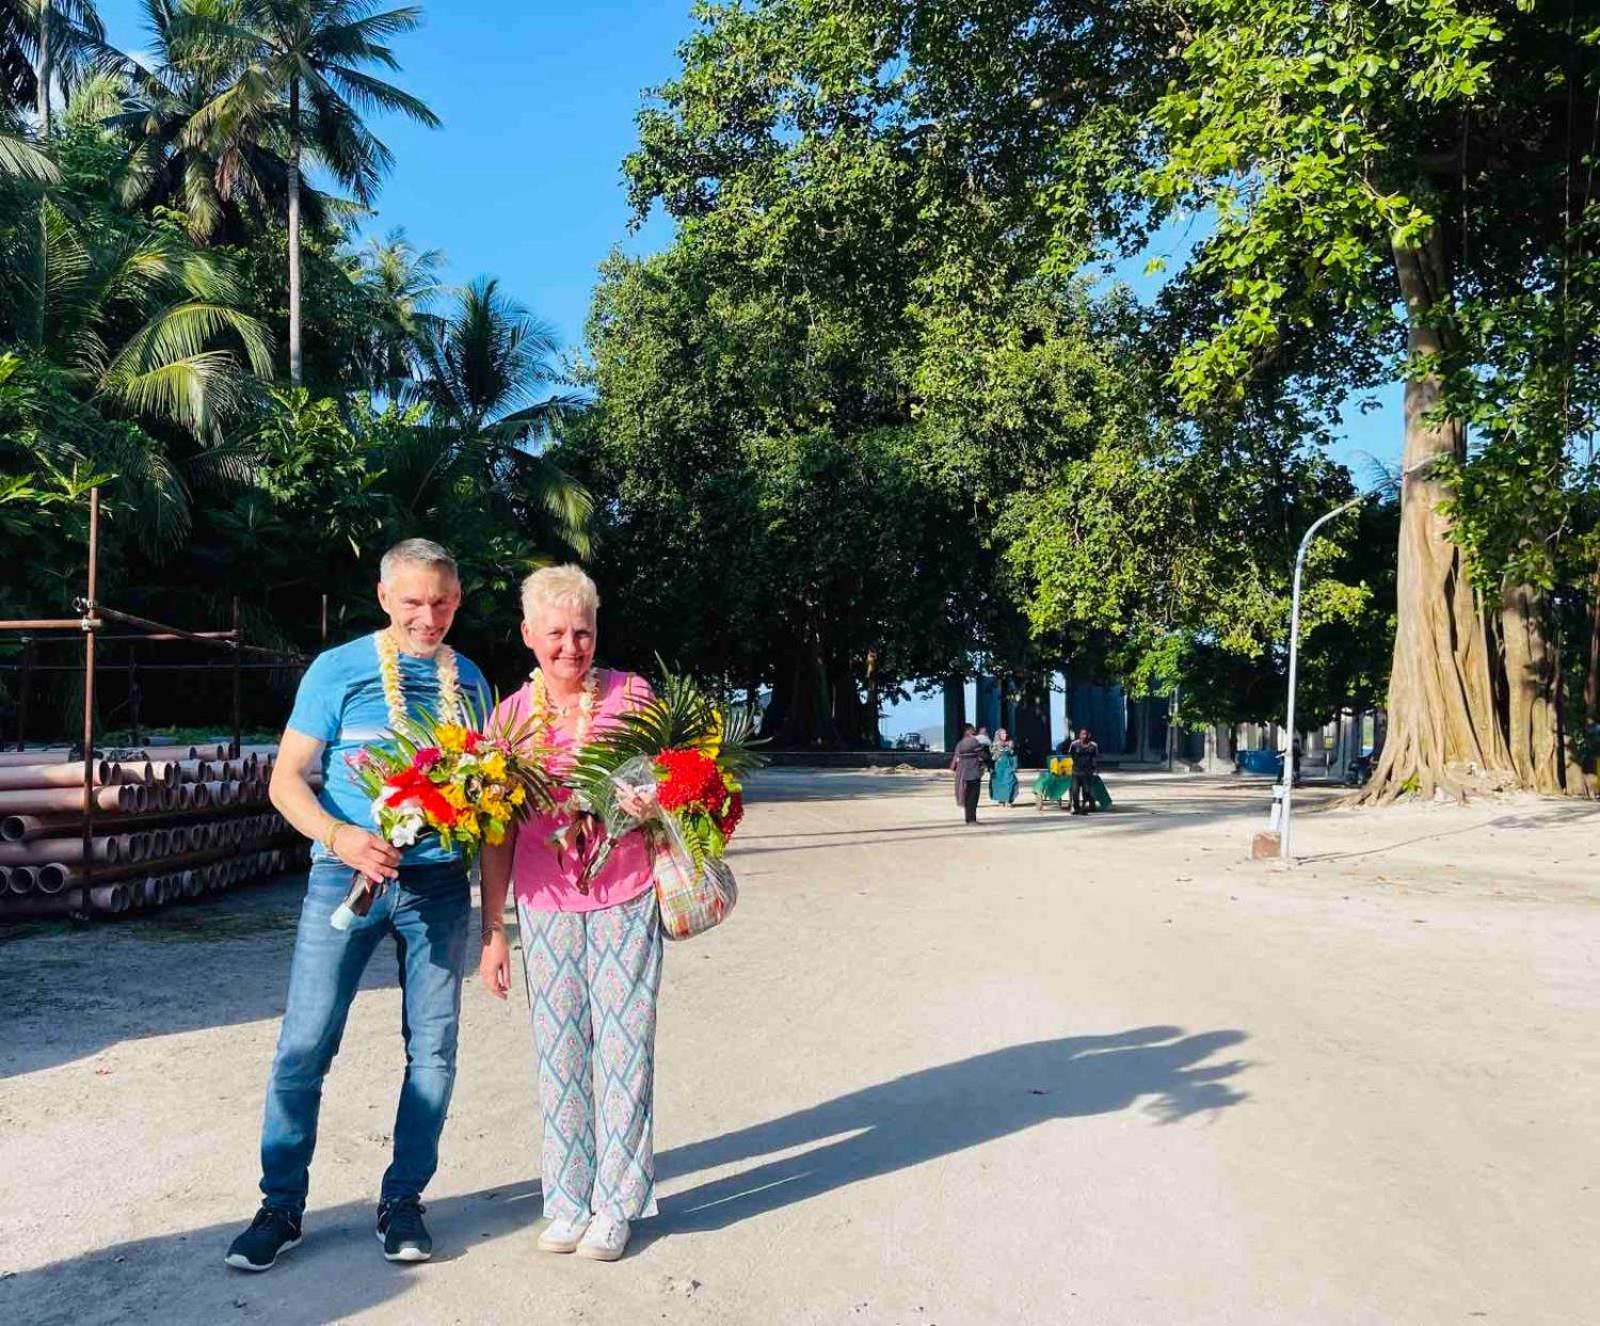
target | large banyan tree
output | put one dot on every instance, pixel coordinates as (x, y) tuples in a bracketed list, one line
[(1353, 195)]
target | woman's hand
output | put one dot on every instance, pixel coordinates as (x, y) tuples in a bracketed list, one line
[(494, 964), (637, 803)]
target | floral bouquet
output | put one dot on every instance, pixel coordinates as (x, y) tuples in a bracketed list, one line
[(461, 782), (672, 769)]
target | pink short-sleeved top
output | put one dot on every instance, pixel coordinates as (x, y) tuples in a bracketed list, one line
[(545, 881)]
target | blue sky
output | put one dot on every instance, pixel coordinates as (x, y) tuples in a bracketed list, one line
[(524, 179), (524, 182)]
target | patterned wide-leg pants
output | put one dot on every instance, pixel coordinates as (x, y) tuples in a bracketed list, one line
[(592, 980)]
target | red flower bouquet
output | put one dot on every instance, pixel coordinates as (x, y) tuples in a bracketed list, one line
[(693, 786), (671, 770)]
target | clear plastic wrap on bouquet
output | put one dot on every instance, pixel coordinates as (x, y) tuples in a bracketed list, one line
[(693, 895)]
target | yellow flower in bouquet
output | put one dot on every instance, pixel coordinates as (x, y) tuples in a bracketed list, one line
[(465, 784)]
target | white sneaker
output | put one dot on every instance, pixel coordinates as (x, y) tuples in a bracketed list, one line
[(606, 1239), (563, 1235)]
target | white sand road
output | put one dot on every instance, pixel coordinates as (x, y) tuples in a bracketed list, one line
[(1043, 1070)]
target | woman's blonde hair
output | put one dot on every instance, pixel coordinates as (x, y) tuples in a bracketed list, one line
[(560, 587)]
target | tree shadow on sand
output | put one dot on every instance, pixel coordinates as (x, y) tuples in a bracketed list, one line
[(878, 1130), (938, 1111)]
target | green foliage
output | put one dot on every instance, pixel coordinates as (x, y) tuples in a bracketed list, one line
[(143, 252), (1526, 380), (883, 213), (723, 472)]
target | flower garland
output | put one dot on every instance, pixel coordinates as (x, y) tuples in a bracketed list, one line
[(394, 695), (545, 713)]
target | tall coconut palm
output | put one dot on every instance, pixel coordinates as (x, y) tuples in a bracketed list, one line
[(486, 373), (401, 283), (303, 63), (178, 155), (41, 42), (19, 46)]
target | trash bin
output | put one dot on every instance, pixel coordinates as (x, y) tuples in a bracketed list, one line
[(1266, 763)]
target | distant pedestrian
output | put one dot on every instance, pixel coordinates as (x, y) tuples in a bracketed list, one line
[(1085, 756), (1003, 780), (968, 769)]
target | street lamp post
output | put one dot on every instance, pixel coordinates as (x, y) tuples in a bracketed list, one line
[(1284, 849)]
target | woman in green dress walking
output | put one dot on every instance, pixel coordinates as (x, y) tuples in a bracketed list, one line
[(1003, 780)]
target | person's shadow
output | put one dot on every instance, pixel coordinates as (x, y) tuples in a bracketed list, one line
[(890, 1126), (936, 1111)]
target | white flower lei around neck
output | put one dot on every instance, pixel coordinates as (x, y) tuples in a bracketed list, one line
[(394, 693), (545, 713)]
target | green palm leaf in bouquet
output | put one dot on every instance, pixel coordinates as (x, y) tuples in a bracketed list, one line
[(682, 716)]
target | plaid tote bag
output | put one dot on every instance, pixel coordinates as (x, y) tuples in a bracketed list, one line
[(691, 901)]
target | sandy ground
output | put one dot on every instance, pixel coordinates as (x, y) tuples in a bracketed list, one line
[(1044, 1070)]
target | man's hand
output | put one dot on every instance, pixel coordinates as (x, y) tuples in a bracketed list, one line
[(366, 853), (293, 796), (494, 965)]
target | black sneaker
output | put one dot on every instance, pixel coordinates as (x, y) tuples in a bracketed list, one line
[(401, 1231), (271, 1232)]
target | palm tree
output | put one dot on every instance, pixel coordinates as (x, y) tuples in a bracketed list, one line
[(144, 324), (301, 62), (19, 44), (178, 156), (485, 374), (41, 41), (20, 155), (401, 284)]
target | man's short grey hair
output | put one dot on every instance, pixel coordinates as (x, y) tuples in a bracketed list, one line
[(560, 587), (416, 552)]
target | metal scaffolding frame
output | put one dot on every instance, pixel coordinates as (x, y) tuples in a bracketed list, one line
[(91, 624)]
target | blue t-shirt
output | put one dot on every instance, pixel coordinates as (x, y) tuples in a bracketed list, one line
[(341, 704)]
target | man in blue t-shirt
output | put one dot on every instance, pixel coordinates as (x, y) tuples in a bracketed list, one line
[(350, 698)]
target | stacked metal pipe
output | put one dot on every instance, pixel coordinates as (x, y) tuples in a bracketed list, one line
[(169, 823)]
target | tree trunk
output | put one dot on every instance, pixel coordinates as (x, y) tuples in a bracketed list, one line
[(45, 74), (46, 66), (809, 719), (1533, 719), (1442, 711), (955, 709), (844, 701), (1591, 682), (1032, 734), (874, 707), (296, 367)]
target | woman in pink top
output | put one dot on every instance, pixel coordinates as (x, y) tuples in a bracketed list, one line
[(591, 951)]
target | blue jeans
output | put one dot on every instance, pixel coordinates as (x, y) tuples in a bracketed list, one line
[(428, 912)]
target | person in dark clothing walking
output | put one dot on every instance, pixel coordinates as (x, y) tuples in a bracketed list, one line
[(1085, 764), (968, 768)]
